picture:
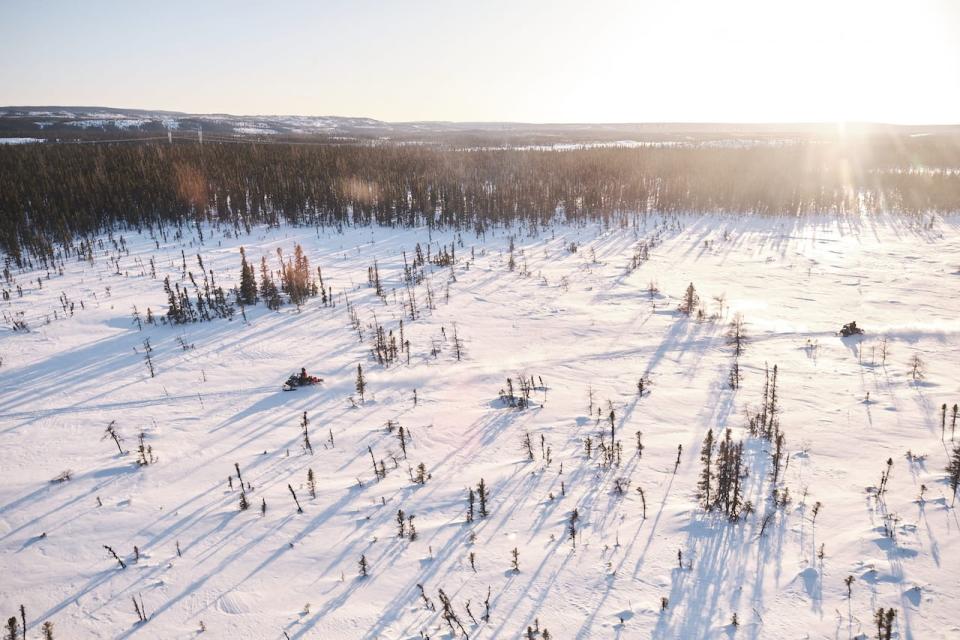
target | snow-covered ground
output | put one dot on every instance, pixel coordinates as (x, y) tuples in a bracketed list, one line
[(579, 320)]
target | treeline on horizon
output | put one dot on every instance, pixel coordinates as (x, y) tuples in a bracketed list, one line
[(52, 193)]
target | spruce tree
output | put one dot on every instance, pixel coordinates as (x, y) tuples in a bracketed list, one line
[(953, 471), (690, 301), (737, 335), (361, 383), (248, 281), (706, 457), (574, 517), (482, 494)]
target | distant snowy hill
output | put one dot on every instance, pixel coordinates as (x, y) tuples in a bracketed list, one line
[(69, 123)]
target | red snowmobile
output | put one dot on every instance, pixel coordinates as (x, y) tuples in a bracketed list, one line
[(297, 380)]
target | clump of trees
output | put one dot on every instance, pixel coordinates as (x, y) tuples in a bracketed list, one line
[(385, 348), (296, 278), (208, 301), (765, 422), (719, 483), (144, 451), (269, 292), (884, 621), (518, 396)]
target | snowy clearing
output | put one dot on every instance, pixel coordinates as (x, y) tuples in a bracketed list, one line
[(574, 321)]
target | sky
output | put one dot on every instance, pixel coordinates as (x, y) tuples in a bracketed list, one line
[(493, 60)]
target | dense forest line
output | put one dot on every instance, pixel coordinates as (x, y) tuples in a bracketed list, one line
[(52, 193)]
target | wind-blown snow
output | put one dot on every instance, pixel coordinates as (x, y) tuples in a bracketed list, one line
[(578, 320)]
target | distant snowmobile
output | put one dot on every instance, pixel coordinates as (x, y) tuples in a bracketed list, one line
[(850, 329), (297, 380)]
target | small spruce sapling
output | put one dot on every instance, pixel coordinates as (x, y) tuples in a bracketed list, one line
[(422, 475), (304, 424), (147, 350), (574, 517), (144, 451), (361, 383), (483, 495), (111, 432), (115, 556), (917, 366), (293, 493)]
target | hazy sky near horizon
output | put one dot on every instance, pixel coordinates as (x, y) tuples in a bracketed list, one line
[(493, 60)]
